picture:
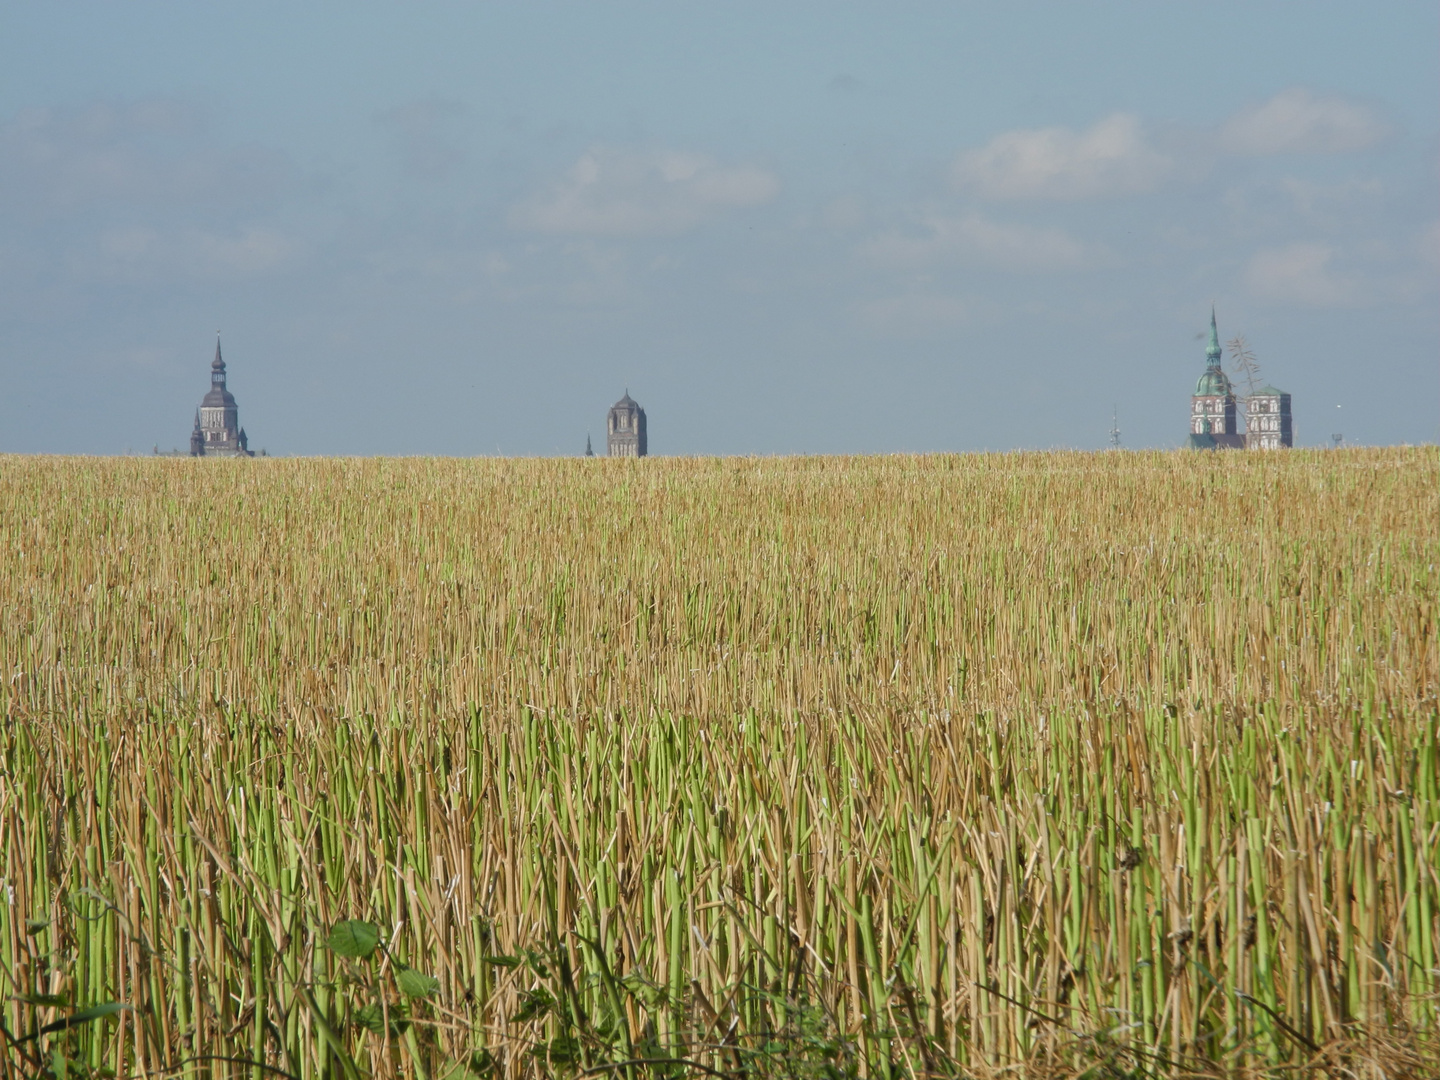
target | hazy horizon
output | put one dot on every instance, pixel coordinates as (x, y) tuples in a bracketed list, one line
[(463, 230)]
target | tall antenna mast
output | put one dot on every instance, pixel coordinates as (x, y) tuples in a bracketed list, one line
[(1115, 427)]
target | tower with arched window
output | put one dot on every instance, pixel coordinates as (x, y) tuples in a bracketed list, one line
[(625, 429), (1214, 417), (217, 430), (1268, 425)]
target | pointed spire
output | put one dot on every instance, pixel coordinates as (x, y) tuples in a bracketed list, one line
[(1212, 350), (589, 450), (197, 419)]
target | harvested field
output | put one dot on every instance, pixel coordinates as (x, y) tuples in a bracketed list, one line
[(1117, 764)]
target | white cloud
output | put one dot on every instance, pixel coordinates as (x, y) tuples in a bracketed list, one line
[(1299, 274), (613, 192), (978, 239), (1295, 121), (1111, 158)]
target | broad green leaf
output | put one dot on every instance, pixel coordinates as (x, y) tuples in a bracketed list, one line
[(503, 961), (561, 1050), (480, 1065), (534, 1004), (370, 1017), (353, 938), (414, 984)]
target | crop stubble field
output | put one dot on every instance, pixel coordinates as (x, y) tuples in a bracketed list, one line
[(897, 766)]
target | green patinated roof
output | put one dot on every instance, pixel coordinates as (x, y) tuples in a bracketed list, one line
[(1270, 391), (1213, 383)]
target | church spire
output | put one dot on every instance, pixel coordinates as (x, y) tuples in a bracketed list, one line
[(219, 418), (1212, 351)]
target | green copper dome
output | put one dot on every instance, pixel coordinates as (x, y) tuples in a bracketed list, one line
[(1214, 383)]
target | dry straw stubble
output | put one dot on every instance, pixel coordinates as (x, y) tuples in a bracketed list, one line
[(924, 765)]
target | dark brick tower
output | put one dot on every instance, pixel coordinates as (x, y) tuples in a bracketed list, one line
[(1268, 425)]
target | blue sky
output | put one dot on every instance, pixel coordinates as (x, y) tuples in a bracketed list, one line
[(449, 228)]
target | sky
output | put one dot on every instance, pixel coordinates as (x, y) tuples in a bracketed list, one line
[(783, 227)]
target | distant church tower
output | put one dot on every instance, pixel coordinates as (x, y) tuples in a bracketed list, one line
[(217, 425), (625, 429), (1267, 420), (1214, 420)]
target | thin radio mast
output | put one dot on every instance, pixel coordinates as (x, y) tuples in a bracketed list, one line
[(1115, 428)]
